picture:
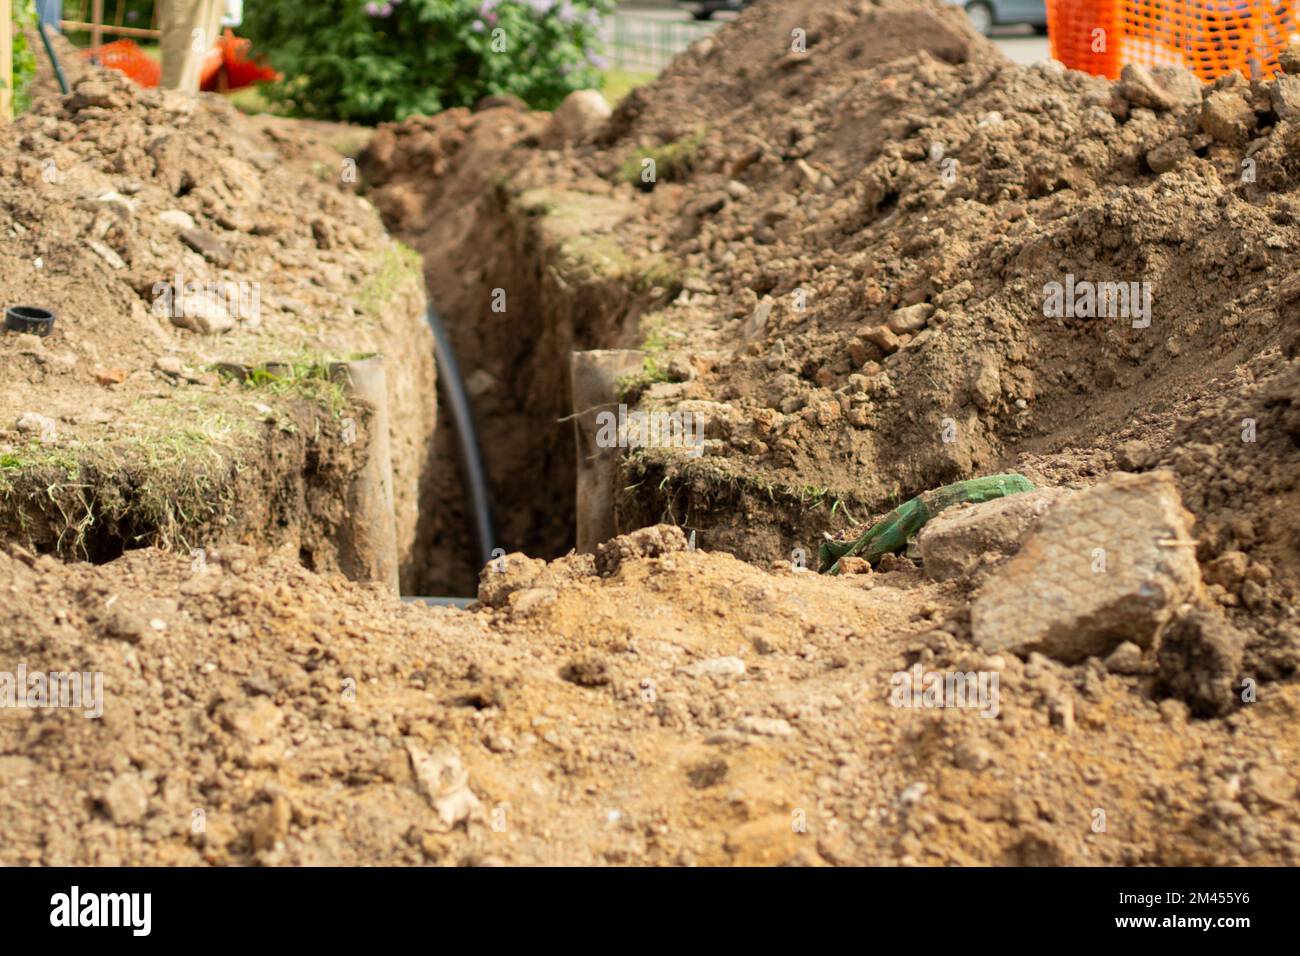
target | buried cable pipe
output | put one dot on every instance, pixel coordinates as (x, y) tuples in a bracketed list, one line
[(453, 388)]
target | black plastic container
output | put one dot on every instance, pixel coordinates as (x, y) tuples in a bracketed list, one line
[(29, 318)]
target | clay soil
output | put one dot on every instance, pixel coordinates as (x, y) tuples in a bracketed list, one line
[(656, 703)]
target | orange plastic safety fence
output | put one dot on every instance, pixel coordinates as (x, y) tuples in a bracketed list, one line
[(1209, 37), (125, 56)]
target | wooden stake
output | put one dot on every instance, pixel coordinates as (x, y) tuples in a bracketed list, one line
[(97, 17), (6, 61)]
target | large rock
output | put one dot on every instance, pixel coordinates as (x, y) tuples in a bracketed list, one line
[(1107, 565), (955, 542), (577, 120)]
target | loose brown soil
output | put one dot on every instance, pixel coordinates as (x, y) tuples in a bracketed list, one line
[(112, 194), (654, 704)]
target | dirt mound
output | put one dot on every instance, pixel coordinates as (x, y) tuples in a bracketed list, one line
[(182, 248), (255, 712), (877, 267)]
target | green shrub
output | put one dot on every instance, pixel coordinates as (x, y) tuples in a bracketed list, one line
[(24, 15), (369, 62)]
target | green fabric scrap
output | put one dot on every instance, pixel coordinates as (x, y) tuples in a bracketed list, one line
[(892, 532)]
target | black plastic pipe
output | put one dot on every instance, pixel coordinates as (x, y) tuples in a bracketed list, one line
[(471, 459), (54, 60)]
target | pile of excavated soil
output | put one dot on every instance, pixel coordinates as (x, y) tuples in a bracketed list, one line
[(674, 708), (845, 265), (184, 247)]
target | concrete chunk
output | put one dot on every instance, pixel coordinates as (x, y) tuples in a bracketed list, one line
[(954, 543), (1107, 565)]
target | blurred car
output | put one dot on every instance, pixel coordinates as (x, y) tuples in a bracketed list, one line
[(705, 9), (987, 14)]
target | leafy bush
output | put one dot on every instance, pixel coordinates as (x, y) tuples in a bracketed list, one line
[(368, 62), (24, 15)]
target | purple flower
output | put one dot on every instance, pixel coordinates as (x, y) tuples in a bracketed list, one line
[(598, 61), (477, 26)]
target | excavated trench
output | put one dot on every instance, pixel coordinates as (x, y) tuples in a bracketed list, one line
[(514, 327)]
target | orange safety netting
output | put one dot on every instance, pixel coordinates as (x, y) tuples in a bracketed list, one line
[(1208, 37), (125, 57), (225, 67)]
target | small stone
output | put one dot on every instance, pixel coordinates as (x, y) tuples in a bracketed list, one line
[(169, 365), (208, 246), (883, 337), (272, 824), (972, 754), (717, 667), (1284, 97), (445, 783), (1125, 659), (756, 322), (1273, 785), (577, 120), (1227, 570), (125, 801), (764, 726), (910, 319), (1134, 455), (1162, 88), (177, 218), (912, 794), (650, 542), (121, 206), (1169, 155), (1228, 117), (202, 314), (1289, 58), (986, 381), (1060, 712), (530, 600), (38, 425), (94, 92), (252, 721), (1173, 711), (107, 253)]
